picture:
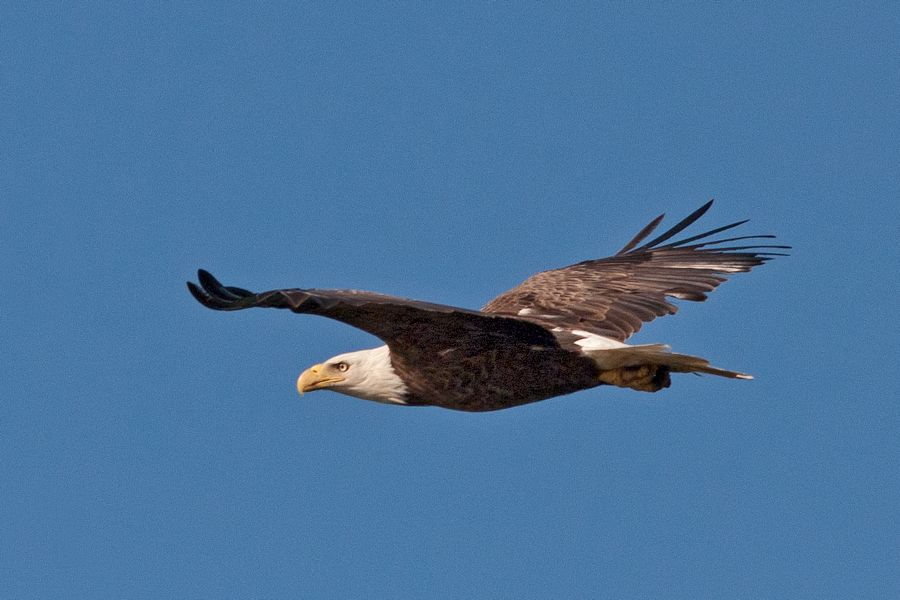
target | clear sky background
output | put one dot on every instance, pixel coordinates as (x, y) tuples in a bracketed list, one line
[(151, 448)]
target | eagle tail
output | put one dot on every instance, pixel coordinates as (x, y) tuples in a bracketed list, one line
[(646, 367)]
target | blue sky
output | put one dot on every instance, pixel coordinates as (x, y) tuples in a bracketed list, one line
[(152, 448)]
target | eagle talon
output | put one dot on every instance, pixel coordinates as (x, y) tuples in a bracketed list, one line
[(643, 378)]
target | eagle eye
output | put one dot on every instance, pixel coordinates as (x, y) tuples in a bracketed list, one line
[(342, 366)]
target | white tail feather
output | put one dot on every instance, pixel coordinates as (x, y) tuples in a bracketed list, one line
[(657, 354)]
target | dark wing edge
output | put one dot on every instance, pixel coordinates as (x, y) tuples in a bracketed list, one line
[(390, 318), (687, 222), (216, 296), (614, 296), (212, 294)]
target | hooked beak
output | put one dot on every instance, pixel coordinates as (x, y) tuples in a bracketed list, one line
[(314, 378)]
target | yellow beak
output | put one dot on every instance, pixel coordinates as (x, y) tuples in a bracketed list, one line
[(315, 378)]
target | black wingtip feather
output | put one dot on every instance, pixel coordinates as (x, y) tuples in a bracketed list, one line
[(707, 234), (722, 241), (215, 289), (198, 295), (647, 230), (683, 224), (204, 298), (209, 283), (212, 294), (685, 243), (240, 292)]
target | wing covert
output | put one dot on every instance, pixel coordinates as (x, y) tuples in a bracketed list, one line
[(615, 296)]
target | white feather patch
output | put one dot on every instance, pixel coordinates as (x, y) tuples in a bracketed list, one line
[(592, 341), (711, 267), (370, 376)]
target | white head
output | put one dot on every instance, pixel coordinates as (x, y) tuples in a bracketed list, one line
[(366, 374)]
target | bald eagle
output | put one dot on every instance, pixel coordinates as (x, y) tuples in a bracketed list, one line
[(559, 332)]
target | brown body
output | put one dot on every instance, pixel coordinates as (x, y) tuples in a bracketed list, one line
[(493, 378)]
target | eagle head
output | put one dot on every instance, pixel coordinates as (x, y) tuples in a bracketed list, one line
[(364, 374)]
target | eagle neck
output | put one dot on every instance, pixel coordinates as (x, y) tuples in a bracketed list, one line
[(380, 382)]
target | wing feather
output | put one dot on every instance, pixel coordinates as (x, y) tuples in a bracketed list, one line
[(400, 322), (614, 296), (683, 224), (643, 233)]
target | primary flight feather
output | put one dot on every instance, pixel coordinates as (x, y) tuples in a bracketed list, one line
[(558, 332)]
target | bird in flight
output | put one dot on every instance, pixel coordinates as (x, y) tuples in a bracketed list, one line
[(558, 332)]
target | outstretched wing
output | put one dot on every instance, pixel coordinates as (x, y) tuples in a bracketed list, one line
[(615, 296), (397, 321)]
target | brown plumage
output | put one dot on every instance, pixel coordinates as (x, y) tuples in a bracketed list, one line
[(530, 343), (615, 296)]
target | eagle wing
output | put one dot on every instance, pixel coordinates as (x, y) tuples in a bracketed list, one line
[(615, 296), (399, 322)]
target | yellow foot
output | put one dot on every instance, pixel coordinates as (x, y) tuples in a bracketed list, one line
[(644, 378)]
